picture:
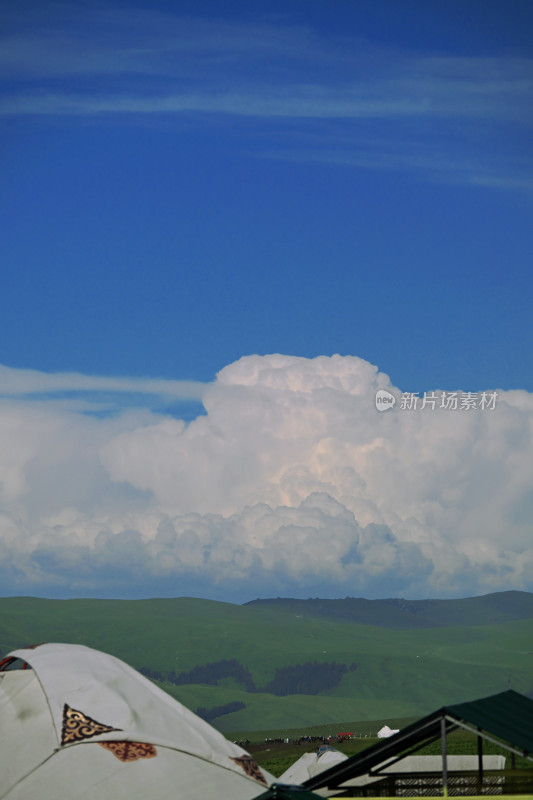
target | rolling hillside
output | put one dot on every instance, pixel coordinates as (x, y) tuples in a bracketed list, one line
[(288, 663), (399, 613)]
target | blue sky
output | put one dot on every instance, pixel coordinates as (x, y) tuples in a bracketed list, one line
[(187, 184)]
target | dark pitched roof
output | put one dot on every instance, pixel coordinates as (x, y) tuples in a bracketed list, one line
[(507, 716)]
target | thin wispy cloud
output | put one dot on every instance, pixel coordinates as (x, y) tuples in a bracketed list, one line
[(27, 382), (455, 87), (437, 162), (158, 65)]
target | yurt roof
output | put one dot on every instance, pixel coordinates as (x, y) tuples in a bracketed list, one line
[(74, 721)]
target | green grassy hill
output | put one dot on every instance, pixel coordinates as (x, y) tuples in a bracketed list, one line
[(303, 668)]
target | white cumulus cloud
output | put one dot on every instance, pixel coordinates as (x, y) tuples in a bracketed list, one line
[(291, 482)]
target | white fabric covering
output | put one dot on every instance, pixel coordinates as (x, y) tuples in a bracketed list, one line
[(191, 759), (385, 732), (311, 764)]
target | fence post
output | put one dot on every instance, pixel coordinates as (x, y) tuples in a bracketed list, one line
[(480, 763), (444, 757)]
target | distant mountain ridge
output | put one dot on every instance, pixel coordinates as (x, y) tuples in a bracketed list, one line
[(400, 614)]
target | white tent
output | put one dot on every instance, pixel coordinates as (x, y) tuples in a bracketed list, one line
[(311, 764), (385, 732), (78, 724)]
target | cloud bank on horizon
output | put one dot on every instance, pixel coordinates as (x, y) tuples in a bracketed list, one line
[(290, 483)]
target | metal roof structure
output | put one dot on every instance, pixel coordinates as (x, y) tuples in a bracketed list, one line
[(505, 718)]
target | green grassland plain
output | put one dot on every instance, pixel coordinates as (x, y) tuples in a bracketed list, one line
[(414, 660)]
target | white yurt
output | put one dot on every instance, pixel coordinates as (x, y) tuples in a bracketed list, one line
[(311, 764), (385, 732), (76, 724)]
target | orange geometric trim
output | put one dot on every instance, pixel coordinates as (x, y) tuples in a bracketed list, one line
[(251, 767), (130, 751), (77, 726)]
